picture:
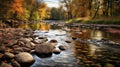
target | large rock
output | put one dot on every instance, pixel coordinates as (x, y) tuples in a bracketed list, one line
[(20, 43), (10, 43), (26, 49), (62, 47), (53, 41), (9, 55), (109, 65), (37, 41), (25, 59), (5, 65), (15, 63), (1, 55), (56, 51), (44, 50), (2, 48), (30, 45), (25, 40), (18, 50), (68, 41)]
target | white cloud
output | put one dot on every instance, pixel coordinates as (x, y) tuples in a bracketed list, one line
[(52, 3)]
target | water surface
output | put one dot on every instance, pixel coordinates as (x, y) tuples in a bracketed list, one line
[(79, 53)]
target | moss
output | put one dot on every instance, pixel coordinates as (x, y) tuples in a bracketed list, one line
[(102, 22), (75, 21)]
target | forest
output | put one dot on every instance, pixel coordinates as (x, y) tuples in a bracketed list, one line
[(68, 9)]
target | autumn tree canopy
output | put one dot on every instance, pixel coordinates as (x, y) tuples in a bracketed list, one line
[(23, 9)]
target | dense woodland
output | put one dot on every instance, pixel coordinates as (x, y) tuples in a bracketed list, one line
[(91, 8), (23, 9), (69, 9)]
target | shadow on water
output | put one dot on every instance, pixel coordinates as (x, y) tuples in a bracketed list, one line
[(80, 52)]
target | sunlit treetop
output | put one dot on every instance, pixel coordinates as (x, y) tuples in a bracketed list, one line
[(17, 6)]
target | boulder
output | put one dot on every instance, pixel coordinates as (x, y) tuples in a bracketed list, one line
[(68, 41), (56, 51), (18, 50), (3, 64), (32, 51), (25, 49), (25, 59), (44, 50), (15, 63), (11, 43), (109, 65), (15, 46), (62, 47), (25, 40), (32, 44), (9, 55), (53, 41), (1, 55), (41, 37), (2, 48), (37, 41), (74, 38), (20, 43), (53, 44), (28, 45)]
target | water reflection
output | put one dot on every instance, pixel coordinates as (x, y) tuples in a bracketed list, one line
[(44, 26), (93, 48), (81, 33), (36, 26), (96, 34), (92, 55)]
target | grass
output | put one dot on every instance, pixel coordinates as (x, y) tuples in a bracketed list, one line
[(77, 20)]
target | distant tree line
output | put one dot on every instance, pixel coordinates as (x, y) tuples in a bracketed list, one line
[(57, 14)]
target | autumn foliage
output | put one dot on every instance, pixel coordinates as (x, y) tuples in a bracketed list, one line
[(23, 9), (17, 6)]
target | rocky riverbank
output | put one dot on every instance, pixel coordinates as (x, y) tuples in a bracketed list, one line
[(18, 45)]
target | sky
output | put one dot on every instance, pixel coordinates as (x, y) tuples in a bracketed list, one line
[(52, 3)]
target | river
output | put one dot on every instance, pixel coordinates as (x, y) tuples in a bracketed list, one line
[(84, 47)]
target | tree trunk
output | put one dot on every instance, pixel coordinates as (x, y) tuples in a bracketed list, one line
[(96, 10)]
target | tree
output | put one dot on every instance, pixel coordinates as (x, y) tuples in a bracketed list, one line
[(4, 9), (17, 8), (68, 5), (57, 14), (43, 10), (24, 15), (97, 6)]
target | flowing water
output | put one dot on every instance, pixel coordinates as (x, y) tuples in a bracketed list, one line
[(80, 53)]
